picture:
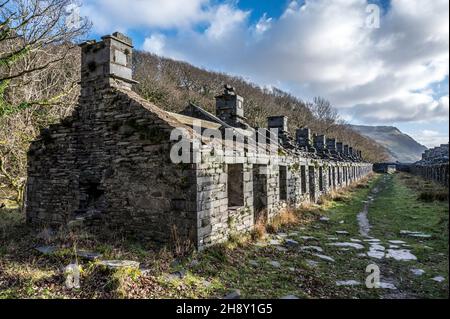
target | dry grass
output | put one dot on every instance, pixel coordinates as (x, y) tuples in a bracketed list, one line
[(286, 217)]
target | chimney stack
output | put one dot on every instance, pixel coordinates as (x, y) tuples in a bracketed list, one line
[(230, 107), (331, 145), (108, 61), (319, 142), (303, 137), (279, 122)]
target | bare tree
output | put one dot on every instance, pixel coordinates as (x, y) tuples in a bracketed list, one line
[(39, 71)]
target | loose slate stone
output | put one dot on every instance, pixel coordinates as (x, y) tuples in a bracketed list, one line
[(324, 257), (400, 254), (47, 250), (416, 234), (387, 285), (438, 279), (116, 264), (280, 248), (291, 242), (235, 294), (397, 242), (274, 242), (342, 232), (418, 272), (290, 297), (372, 240), (355, 240), (89, 255), (316, 248), (348, 283), (275, 264), (324, 219), (307, 237), (375, 254), (345, 244)]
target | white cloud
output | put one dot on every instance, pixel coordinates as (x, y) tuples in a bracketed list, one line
[(111, 15), (387, 74), (431, 138), (324, 48)]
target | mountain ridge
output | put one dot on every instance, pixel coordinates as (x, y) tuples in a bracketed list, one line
[(400, 146)]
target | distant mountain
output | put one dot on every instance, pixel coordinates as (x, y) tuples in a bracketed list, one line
[(400, 146)]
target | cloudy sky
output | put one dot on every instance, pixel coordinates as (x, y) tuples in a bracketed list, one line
[(386, 69)]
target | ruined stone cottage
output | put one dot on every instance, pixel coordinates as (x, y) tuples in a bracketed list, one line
[(109, 164)]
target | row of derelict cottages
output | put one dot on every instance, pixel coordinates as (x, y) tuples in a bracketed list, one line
[(109, 164)]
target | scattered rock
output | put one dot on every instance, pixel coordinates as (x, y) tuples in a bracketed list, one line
[(418, 272), (341, 222), (387, 285), (342, 232), (291, 242), (290, 297), (235, 294), (400, 254), (355, 240), (275, 264), (316, 248), (88, 255), (394, 246), (116, 264), (274, 242), (438, 278), (324, 219), (324, 257), (46, 250), (180, 274), (307, 238), (416, 234), (346, 244), (293, 234), (397, 242), (361, 255), (372, 240), (375, 246), (375, 254), (333, 238), (291, 269), (348, 283)]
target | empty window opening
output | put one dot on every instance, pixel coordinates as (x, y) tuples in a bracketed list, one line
[(312, 184), (303, 178), (283, 182), (321, 178), (235, 185), (329, 178), (260, 193)]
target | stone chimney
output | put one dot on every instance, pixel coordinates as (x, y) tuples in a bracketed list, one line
[(350, 151), (331, 145), (279, 122), (346, 150), (319, 142), (107, 62), (303, 137), (230, 107), (340, 148)]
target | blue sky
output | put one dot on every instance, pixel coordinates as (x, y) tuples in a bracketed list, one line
[(391, 73)]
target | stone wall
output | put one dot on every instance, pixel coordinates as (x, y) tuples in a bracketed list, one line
[(434, 165)]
